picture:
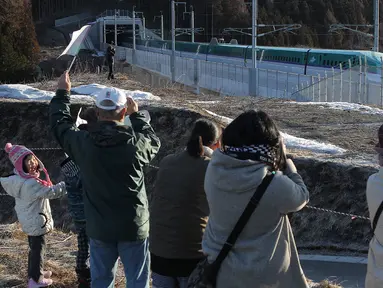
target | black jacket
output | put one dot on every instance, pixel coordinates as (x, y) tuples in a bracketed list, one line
[(111, 158), (110, 54)]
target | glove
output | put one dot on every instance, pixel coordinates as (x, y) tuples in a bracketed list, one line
[(69, 168)]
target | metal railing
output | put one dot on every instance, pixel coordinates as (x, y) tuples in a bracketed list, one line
[(360, 84)]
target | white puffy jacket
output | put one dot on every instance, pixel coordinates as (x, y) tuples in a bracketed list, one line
[(32, 203)]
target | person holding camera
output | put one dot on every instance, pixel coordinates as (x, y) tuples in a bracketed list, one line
[(264, 253)]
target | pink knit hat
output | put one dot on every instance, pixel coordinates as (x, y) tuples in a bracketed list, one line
[(16, 154)]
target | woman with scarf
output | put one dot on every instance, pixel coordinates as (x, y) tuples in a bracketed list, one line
[(179, 210), (374, 194), (264, 255)]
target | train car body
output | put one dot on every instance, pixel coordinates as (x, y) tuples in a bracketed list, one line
[(321, 58)]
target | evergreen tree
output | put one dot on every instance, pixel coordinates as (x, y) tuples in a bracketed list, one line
[(19, 50)]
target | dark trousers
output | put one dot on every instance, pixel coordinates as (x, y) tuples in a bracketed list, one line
[(82, 259), (111, 75), (36, 256)]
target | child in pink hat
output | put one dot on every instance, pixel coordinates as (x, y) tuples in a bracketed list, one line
[(32, 196)]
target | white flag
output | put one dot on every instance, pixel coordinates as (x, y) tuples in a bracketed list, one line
[(79, 120), (77, 39)]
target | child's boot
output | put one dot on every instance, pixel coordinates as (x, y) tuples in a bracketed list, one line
[(43, 282)]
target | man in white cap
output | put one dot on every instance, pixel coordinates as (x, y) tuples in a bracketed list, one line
[(111, 157)]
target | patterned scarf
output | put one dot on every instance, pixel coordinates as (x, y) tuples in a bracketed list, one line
[(261, 153)]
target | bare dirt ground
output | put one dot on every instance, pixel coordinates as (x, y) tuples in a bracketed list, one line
[(60, 260)]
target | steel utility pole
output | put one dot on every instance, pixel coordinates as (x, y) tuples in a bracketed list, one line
[(104, 23), (162, 26), (115, 27), (376, 25), (192, 23), (134, 28), (143, 24), (173, 59), (254, 32)]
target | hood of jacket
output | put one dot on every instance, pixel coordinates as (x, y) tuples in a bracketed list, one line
[(110, 133), (12, 185), (232, 175)]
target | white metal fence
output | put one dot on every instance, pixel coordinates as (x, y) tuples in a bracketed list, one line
[(352, 85)]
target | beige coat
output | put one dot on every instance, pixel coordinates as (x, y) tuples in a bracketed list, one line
[(265, 255), (32, 203), (178, 209), (374, 278)]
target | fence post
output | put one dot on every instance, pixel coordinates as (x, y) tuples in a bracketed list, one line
[(312, 86), (276, 84), (196, 75), (360, 80), (267, 83), (381, 83), (326, 87), (333, 85), (287, 88), (341, 82), (319, 82), (299, 79), (365, 80), (349, 81), (252, 83)]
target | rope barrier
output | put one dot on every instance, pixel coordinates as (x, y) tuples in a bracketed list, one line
[(353, 217)]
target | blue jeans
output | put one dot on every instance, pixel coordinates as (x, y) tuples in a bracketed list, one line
[(135, 257)]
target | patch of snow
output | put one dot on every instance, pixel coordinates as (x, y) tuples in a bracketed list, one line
[(205, 102), (224, 119), (81, 93), (345, 106), (25, 92), (296, 142), (311, 145), (94, 89)]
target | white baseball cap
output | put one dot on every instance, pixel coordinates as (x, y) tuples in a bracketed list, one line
[(115, 95)]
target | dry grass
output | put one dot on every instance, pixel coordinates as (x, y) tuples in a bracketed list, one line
[(324, 284), (60, 260)]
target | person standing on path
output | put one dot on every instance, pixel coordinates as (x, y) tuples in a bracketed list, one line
[(179, 209), (110, 52), (111, 157), (32, 194), (265, 254), (72, 178), (374, 193)]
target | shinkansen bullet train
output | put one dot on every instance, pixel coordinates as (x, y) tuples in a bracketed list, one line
[(304, 57)]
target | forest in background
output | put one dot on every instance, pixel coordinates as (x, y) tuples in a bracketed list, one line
[(315, 16)]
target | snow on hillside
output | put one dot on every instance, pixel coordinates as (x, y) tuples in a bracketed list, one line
[(293, 142), (344, 106), (93, 89), (83, 93)]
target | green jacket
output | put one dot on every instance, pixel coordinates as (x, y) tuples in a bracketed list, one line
[(111, 157)]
